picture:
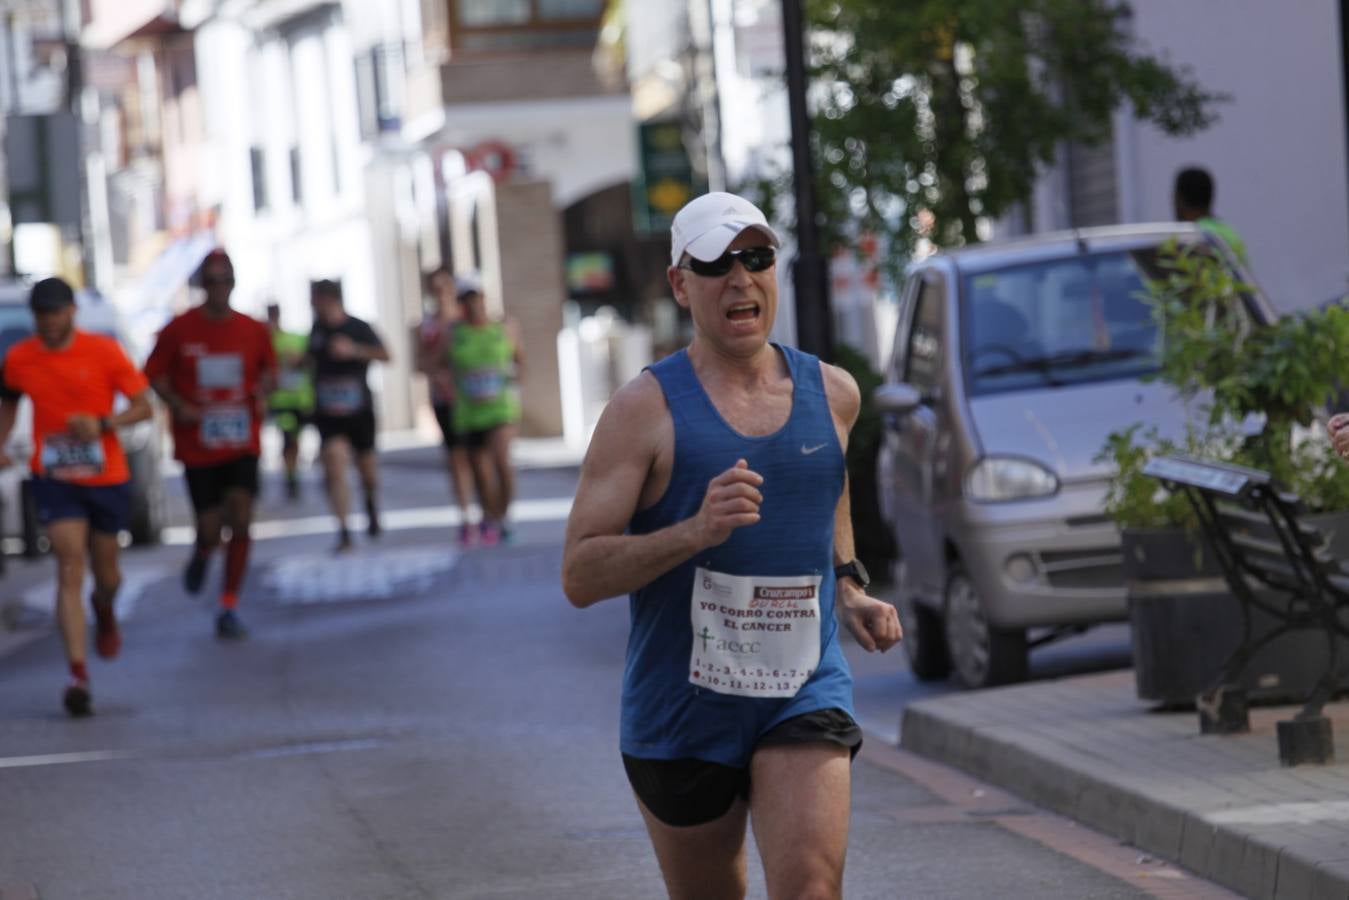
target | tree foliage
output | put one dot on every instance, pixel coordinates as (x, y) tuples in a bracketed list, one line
[(933, 113)]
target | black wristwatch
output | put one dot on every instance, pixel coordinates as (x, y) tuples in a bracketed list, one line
[(103, 424), (854, 570)]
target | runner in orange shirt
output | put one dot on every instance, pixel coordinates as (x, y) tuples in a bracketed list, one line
[(81, 484), (214, 367)]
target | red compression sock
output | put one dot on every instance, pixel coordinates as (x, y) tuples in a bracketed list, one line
[(236, 562), (79, 672)]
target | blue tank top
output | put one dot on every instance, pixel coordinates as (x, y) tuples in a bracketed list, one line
[(688, 690)]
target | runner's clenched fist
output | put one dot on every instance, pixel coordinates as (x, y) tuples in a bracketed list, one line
[(732, 501)]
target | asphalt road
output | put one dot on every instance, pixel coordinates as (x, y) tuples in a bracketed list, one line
[(412, 721)]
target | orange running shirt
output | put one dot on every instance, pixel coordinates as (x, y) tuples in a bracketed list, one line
[(81, 378), (216, 365)]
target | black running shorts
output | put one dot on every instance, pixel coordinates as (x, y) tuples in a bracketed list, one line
[(207, 485), (358, 429), (685, 792)]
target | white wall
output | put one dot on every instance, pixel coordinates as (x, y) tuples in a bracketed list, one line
[(1278, 154), (579, 145)]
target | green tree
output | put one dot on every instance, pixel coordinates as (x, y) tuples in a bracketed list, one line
[(933, 113)]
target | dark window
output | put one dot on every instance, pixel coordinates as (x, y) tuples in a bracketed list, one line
[(923, 361), (514, 25), (258, 162), (296, 177)]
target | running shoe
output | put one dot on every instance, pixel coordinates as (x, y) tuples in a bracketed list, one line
[(107, 636), (228, 627), (194, 576), (490, 535), (344, 542), (468, 534), (372, 516), (292, 489), (507, 534), (77, 699)]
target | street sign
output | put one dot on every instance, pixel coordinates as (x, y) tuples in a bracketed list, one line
[(666, 180)]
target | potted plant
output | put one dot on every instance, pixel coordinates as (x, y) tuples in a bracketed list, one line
[(1255, 393)]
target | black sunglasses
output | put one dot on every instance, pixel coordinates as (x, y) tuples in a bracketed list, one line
[(216, 280), (754, 259)]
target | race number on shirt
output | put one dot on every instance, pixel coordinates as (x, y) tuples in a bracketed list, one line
[(340, 396), (484, 384), (226, 426), (220, 371), (65, 458), (754, 636), (291, 380)]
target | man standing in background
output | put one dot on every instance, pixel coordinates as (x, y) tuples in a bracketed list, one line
[(1193, 201)]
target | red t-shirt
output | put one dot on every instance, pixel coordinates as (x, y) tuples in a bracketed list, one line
[(216, 365), (82, 378)]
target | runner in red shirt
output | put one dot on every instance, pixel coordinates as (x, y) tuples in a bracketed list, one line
[(81, 484), (214, 367)]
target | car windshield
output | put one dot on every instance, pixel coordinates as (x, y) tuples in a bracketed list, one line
[(1063, 321)]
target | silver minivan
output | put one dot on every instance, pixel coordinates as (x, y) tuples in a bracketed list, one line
[(1012, 363)]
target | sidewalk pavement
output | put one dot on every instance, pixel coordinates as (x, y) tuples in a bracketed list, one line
[(1222, 806)]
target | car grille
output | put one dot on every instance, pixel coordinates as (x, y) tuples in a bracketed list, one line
[(1077, 569)]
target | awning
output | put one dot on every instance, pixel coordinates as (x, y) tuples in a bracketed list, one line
[(153, 291), (114, 21)]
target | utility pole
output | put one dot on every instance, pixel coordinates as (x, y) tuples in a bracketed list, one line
[(810, 274)]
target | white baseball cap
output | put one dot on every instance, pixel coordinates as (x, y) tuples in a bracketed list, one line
[(468, 283), (706, 225)]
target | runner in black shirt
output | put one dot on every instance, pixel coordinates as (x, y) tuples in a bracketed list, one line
[(342, 348)]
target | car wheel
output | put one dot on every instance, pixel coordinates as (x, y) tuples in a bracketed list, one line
[(924, 634), (147, 500), (981, 655)]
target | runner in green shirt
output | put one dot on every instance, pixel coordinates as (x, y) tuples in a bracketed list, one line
[(1193, 200), (485, 360), (292, 403)]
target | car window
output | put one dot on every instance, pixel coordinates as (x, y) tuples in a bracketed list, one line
[(922, 361), (16, 323), (1062, 321)]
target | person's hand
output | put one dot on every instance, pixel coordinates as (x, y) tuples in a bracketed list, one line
[(873, 623), (84, 427), (1339, 434), (341, 347), (732, 501)]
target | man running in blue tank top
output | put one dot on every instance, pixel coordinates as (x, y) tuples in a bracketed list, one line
[(714, 494)]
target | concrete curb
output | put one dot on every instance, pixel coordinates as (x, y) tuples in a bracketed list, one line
[(1163, 814)]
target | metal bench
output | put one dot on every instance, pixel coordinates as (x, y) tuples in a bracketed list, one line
[(1273, 563)]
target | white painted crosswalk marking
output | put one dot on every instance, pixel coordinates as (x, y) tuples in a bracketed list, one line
[(367, 575)]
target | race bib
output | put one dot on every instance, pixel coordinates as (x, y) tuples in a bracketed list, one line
[(341, 396), (484, 384), (291, 380), (220, 371), (226, 426), (754, 636), (65, 458)]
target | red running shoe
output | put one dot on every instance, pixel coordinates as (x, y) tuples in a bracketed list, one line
[(107, 636)]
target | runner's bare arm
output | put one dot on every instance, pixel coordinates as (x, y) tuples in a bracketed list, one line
[(599, 560), (180, 408), (873, 623), (9, 411)]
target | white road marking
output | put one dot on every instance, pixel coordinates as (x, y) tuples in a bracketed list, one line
[(550, 510), (368, 575), (61, 759)]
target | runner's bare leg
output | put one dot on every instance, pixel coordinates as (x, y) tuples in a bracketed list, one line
[(799, 804), (702, 862), (69, 539)]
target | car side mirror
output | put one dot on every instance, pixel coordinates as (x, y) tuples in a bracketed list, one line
[(896, 399)]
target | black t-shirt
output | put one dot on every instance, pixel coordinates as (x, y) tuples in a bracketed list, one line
[(339, 384)]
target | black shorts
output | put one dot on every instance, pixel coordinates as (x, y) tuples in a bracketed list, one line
[(358, 429), (686, 792), (106, 507), (208, 485), (476, 440), (445, 419)]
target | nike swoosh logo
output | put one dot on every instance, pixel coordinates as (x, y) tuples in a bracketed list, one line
[(809, 450)]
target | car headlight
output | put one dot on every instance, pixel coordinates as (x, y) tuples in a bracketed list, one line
[(998, 478)]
